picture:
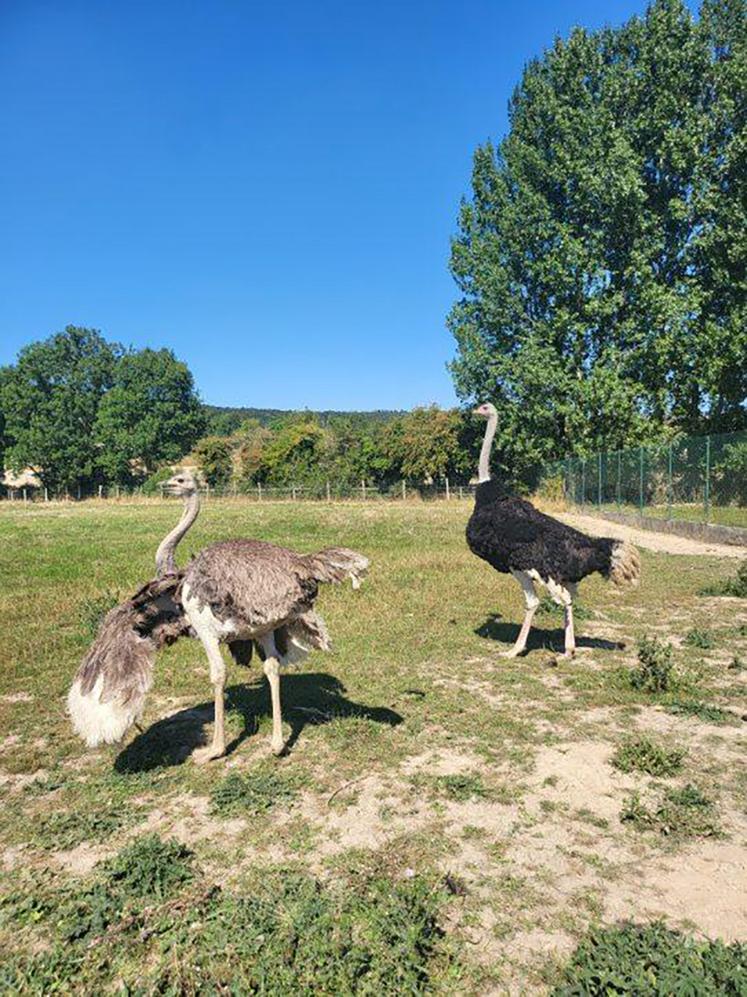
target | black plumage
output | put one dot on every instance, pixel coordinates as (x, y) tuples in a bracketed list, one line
[(514, 537), (509, 533)]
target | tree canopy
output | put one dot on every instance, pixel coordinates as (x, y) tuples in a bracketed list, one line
[(601, 257), (81, 410)]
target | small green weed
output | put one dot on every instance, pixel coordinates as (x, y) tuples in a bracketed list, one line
[(461, 787), (736, 664), (735, 586), (150, 867), (640, 754), (93, 610), (650, 960), (681, 813), (700, 638), (66, 830), (654, 671), (251, 793), (548, 607), (703, 711)]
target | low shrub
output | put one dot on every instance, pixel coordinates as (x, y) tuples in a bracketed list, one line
[(655, 665), (251, 793), (735, 586)]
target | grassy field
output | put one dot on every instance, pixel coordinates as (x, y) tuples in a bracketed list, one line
[(444, 821)]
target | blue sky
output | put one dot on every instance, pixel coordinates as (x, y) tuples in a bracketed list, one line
[(267, 188)]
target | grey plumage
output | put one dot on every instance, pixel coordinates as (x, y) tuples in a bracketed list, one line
[(247, 593)]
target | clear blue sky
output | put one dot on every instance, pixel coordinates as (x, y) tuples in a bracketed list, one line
[(267, 188)]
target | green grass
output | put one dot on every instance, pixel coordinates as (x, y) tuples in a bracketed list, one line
[(735, 585), (641, 754), (252, 793), (342, 859), (700, 638), (703, 711), (651, 960), (685, 812), (655, 669)]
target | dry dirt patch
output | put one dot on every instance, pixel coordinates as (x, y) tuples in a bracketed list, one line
[(666, 543)]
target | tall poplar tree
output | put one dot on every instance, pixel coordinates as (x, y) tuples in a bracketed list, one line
[(601, 256)]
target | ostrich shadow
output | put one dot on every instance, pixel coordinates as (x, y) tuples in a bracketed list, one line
[(539, 639), (312, 698)]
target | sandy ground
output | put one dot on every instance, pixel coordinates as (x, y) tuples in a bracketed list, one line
[(666, 543)]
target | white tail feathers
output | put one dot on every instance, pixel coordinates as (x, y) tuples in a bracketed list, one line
[(109, 689), (625, 564), (99, 722)]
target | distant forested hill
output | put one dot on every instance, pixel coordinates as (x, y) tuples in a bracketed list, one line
[(223, 420)]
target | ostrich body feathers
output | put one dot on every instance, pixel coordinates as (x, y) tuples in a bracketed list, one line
[(511, 535)]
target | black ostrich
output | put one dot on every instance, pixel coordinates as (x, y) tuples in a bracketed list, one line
[(514, 537)]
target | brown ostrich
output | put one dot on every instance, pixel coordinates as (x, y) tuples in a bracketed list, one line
[(246, 593)]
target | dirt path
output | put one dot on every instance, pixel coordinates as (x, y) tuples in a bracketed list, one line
[(666, 543)]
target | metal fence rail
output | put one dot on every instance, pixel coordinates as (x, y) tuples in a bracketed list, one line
[(697, 478)]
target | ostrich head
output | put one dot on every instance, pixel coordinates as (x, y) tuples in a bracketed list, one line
[(486, 410), (183, 484)]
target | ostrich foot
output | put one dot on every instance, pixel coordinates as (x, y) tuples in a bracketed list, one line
[(207, 754), (277, 747), (513, 653)]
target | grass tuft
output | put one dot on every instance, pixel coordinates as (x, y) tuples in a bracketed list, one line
[(654, 671), (703, 711), (681, 813), (462, 787), (640, 754), (150, 867), (700, 638), (735, 586), (650, 960), (251, 793), (66, 830)]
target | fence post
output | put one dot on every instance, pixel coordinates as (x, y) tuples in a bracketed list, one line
[(293, 492), (460, 493), (599, 480), (669, 484), (448, 495), (619, 479), (259, 491), (363, 488), (25, 496), (46, 495), (640, 482), (329, 497), (583, 482), (404, 489), (707, 491)]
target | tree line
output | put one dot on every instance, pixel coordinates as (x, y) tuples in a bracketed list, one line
[(83, 412)]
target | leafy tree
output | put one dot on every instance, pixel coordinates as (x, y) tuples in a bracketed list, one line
[(297, 452), (601, 257), (214, 457), (149, 416), (50, 399), (425, 443)]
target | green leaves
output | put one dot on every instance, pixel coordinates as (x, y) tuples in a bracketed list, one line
[(81, 410), (601, 256)]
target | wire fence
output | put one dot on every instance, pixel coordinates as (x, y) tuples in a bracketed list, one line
[(329, 491), (696, 478)]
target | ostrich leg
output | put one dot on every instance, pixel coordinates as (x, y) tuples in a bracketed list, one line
[(272, 671), (570, 638), (218, 678), (532, 602)]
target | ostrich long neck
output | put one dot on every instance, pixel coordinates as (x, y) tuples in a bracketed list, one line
[(483, 468), (165, 563)]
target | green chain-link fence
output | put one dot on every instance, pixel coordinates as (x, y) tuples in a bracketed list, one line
[(702, 478)]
